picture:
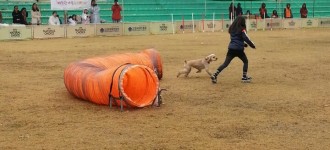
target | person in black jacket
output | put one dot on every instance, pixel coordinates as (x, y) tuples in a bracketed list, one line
[(24, 16), (236, 46), (239, 10), (16, 15), (232, 11)]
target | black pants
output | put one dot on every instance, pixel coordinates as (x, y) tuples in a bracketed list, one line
[(231, 54)]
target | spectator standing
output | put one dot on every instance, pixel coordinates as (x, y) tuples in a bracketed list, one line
[(53, 19), (274, 15), (303, 11), (116, 8), (35, 15), (232, 10), (85, 18), (287, 11), (16, 15), (239, 10), (24, 16), (263, 11), (95, 12), (0, 17)]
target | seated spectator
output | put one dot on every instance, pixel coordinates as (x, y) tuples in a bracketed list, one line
[(303, 11), (0, 17), (287, 11), (24, 16), (85, 18), (54, 19), (274, 15), (72, 20), (36, 15), (16, 15), (263, 11), (248, 12)]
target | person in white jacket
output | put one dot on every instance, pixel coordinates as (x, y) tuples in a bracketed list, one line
[(53, 19), (35, 13), (72, 20), (85, 18), (95, 12)]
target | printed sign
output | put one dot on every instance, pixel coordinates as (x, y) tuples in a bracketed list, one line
[(272, 23), (251, 24), (226, 24), (136, 29), (187, 26), (210, 26), (15, 33), (324, 22), (115, 29), (70, 4), (80, 31), (291, 23), (48, 31), (307, 23), (261, 24), (161, 27)]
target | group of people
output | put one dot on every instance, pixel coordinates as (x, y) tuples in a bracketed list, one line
[(238, 11), (91, 15), (20, 16)]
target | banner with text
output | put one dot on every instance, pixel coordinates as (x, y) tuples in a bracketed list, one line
[(80, 31), (115, 29), (324, 22), (291, 23), (308, 23), (48, 31), (261, 24), (161, 27), (187, 26), (251, 24), (272, 23), (226, 24), (210, 26), (136, 29), (15, 33), (70, 4)]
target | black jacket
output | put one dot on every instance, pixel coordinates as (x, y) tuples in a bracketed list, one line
[(16, 17), (237, 41)]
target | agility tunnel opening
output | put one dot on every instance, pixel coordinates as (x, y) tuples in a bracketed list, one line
[(128, 80)]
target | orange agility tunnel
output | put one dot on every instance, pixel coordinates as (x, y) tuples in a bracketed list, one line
[(132, 78)]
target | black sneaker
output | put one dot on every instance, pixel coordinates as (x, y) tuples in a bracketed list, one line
[(214, 79), (246, 79)]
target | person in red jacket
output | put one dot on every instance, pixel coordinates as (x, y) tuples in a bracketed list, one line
[(116, 8), (303, 11)]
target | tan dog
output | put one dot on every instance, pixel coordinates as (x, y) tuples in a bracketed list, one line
[(199, 64)]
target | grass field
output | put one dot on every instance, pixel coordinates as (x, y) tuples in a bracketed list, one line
[(287, 105)]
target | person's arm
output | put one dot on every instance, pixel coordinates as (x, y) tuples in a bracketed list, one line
[(291, 13), (247, 39)]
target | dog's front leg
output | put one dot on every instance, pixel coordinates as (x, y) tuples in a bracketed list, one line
[(208, 72)]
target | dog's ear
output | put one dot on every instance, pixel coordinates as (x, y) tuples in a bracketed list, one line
[(207, 58)]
